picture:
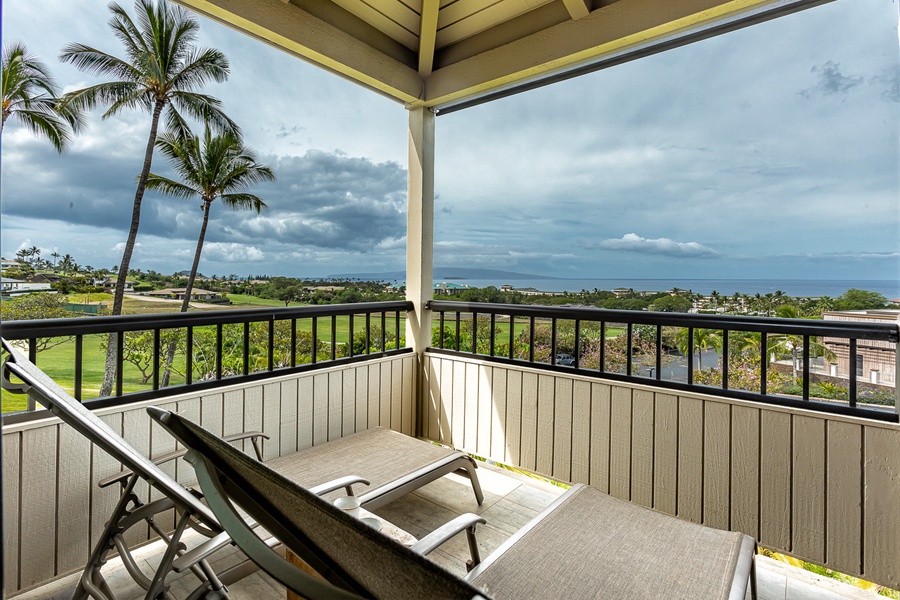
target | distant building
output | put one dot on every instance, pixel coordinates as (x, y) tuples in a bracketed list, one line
[(876, 361), (178, 294), (50, 278), (449, 288), (17, 287)]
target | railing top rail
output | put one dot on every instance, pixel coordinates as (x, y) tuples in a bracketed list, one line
[(16, 330), (847, 329)]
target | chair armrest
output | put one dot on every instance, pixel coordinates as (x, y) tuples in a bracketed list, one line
[(121, 476), (341, 482), (436, 538)]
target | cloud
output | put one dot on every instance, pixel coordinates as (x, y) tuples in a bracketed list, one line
[(631, 242), (889, 80), (232, 253), (831, 81)]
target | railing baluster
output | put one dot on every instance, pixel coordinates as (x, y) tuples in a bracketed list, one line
[(493, 327), (659, 351), (271, 344), (315, 340), (724, 359), (156, 336), (602, 346), (189, 359), (219, 351), (763, 362), (383, 332), (474, 332), (690, 356), (441, 340), (350, 334), (79, 356), (246, 347), (629, 347), (397, 330), (853, 374), (553, 341), (806, 367), (458, 319), (577, 343), (120, 351), (333, 337), (512, 336), (368, 333), (531, 340), (293, 342)]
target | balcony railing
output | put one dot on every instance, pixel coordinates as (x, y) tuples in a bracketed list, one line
[(211, 349), (629, 346)]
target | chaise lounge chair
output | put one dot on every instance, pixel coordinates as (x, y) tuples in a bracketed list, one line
[(585, 545), (393, 464)]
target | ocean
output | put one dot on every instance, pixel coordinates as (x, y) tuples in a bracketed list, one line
[(726, 287)]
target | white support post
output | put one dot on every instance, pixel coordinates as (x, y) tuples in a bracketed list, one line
[(897, 371), (420, 228)]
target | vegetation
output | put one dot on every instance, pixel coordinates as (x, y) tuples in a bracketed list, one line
[(161, 72), (30, 97)]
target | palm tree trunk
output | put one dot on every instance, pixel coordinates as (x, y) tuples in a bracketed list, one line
[(119, 296), (170, 351)]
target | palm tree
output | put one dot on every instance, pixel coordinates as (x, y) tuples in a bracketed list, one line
[(216, 167), (704, 339), (66, 263), (162, 69), (30, 96), (56, 256), (794, 343)]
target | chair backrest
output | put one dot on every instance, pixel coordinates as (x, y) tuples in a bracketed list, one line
[(46, 391), (345, 551)]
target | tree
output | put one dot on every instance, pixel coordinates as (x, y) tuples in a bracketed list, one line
[(671, 304), (30, 97), (704, 339), (162, 70), (854, 299), (37, 306), (56, 256), (794, 343), (216, 167)]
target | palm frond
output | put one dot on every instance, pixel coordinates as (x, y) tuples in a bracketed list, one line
[(47, 124), (244, 202), (170, 187), (205, 109), (85, 58)]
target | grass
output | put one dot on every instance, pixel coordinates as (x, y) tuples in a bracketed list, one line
[(246, 300)]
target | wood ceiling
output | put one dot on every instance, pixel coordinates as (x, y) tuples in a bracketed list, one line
[(440, 52)]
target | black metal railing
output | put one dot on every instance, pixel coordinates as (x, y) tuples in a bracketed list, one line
[(202, 350), (642, 347)]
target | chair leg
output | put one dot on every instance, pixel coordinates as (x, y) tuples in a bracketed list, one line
[(753, 592)]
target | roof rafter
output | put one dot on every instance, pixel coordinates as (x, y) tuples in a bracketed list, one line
[(428, 36), (577, 8)]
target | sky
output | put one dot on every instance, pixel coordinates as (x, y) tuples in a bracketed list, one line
[(767, 153)]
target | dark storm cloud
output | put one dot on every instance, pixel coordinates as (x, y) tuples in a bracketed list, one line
[(830, 81)]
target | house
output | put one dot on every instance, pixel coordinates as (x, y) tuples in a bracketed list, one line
[(197, 295), (875, 361), (50, 278), (18, 287)]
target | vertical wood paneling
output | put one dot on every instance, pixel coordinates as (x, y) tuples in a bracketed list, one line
[(384, 395), (470, 412), (546, 392), (881, 526), (162, 442), (514, 417), (446, 404), (690, 459), (362, 398), (717, 465), (600, 428), (409, 387), (348, 402), (289, 395), (581, 432), (211, 413), (103, 501), (745, 453), (320, 408), (271, 403), (843, 502), (665, 454), (397, 395), (233, 407), (775, 480), (374, 395), (620, 444), (498, 414), (253, 408), (433, 389), (562, 429), (38, 517), (485, 409), (808, 486), (190, 409), (335, 405), (458, 418), (11, 511), (642, 415), (305, 412), (136, 430), (528, 451)]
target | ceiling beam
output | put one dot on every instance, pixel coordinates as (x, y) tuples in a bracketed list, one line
[(428, 36), (294, 30), (577, 8), (607, 30)]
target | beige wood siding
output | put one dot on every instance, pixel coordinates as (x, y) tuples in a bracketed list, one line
[(53, 510), (824, 488)]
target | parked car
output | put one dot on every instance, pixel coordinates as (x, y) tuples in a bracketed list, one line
[(566, 360)]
